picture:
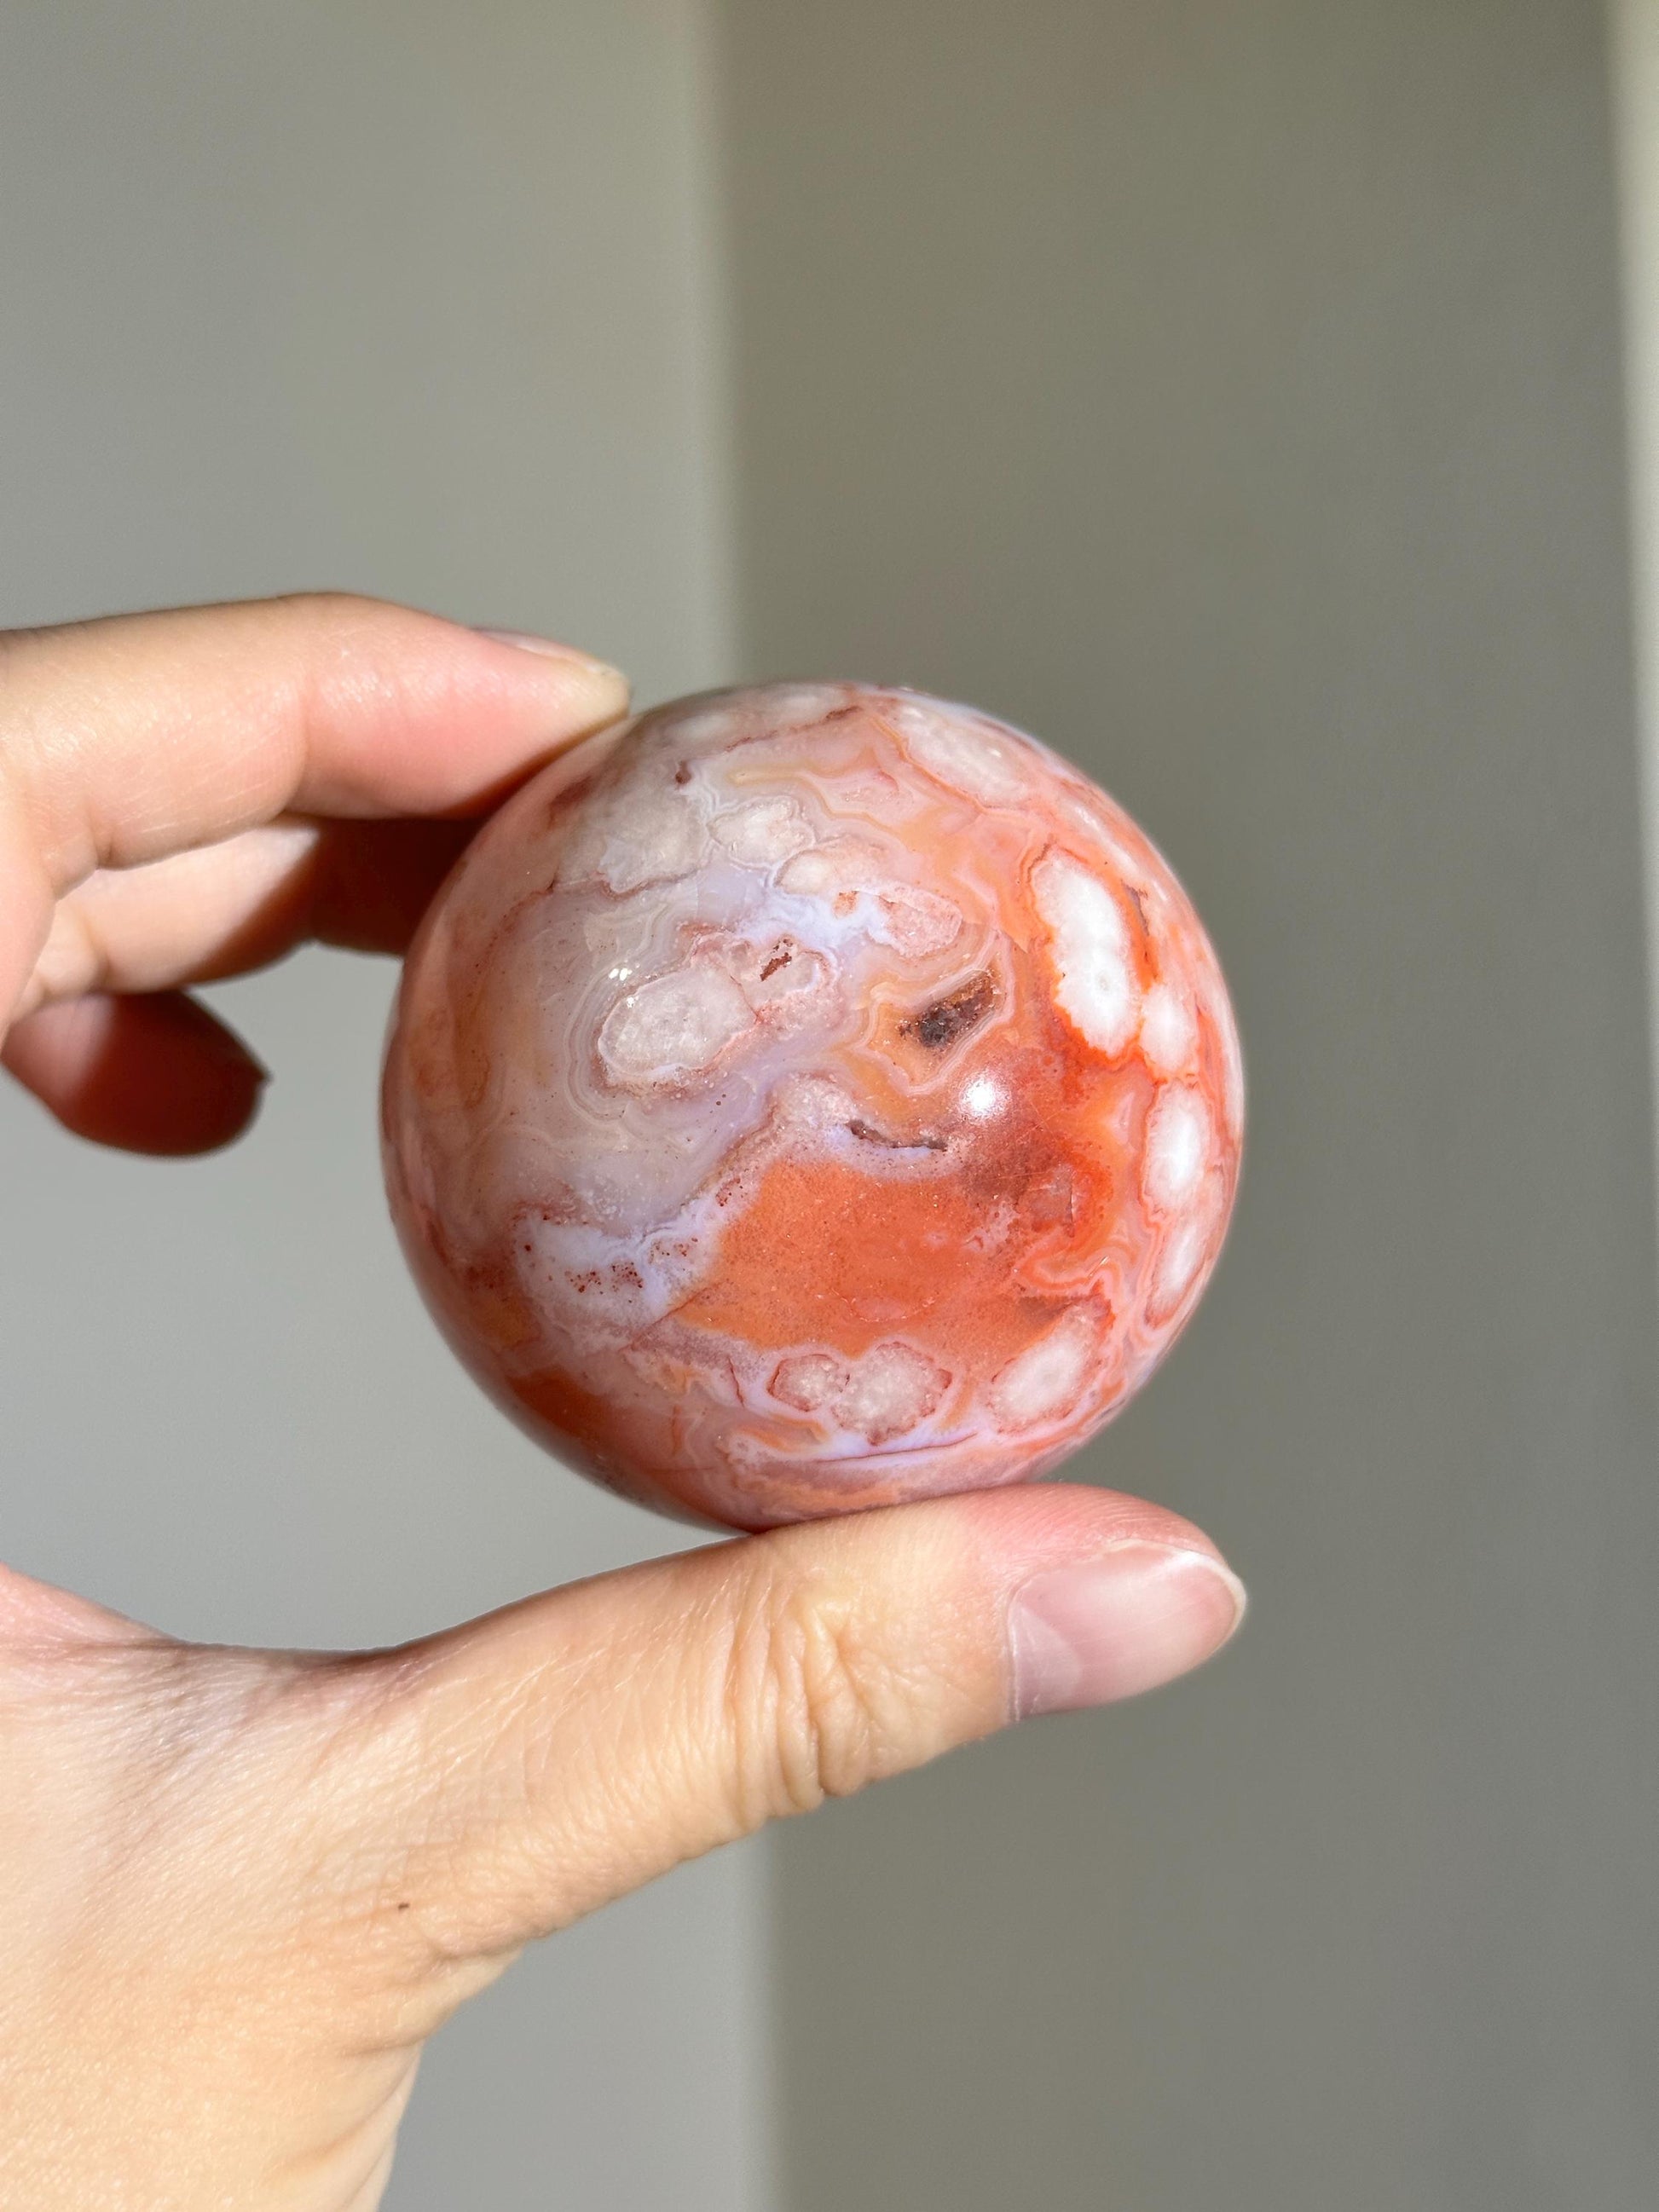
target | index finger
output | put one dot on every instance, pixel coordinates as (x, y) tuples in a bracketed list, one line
[(129, 738)]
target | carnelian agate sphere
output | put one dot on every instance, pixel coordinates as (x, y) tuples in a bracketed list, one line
[(809, 1097)]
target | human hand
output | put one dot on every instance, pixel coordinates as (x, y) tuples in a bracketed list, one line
[(240, 1889)]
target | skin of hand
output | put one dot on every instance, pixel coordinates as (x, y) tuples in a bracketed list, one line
[(240, 1887)]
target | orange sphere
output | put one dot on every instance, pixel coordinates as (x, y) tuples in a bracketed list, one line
[(810, 1097)]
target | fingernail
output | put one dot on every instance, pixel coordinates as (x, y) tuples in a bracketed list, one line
[(1136, 1617), (550, 650)]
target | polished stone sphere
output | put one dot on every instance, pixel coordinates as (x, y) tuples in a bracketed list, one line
[(809, 1097)]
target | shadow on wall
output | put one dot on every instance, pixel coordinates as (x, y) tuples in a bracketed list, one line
[(1233, 397)]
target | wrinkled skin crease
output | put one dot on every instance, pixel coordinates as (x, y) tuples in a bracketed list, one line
[(812, 1097)]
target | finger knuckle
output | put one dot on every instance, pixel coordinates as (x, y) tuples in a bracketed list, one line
[(805, 1701), (329, 607)]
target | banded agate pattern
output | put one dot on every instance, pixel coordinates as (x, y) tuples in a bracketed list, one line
[(809, 1098)]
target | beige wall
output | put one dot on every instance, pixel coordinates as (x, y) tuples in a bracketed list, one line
[(412, 299), (1232, 394)]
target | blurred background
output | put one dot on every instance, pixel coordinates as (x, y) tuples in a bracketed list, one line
[(1256, 403)]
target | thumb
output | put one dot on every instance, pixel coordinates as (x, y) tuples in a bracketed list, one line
[(567, 1750)]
